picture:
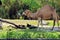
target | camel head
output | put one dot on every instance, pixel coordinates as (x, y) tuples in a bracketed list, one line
[(26, 13)]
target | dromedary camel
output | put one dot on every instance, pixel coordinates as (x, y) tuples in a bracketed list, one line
[(46, 12)]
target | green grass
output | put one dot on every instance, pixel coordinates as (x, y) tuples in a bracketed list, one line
[(51, 23), (29, 33), (3, 34)]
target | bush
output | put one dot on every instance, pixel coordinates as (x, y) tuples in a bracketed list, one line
[(25, 4)]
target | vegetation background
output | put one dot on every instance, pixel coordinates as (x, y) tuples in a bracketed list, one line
[(6, 9), (7, 12)]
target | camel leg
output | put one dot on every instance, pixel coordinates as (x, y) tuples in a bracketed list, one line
[(41, 23), (53, 24), (38, 24), (58, 23)]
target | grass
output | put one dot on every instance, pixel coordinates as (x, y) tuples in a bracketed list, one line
[(32, 22), (3, 34), (27, 33), (51, 23)]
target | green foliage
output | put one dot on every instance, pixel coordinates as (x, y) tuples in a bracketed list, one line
[(33, 5), (29, 33), (33, 34), (3, 34)]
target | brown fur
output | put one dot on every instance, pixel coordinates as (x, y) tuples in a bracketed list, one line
[(46, 12)]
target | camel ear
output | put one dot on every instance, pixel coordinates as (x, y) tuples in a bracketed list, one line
[(0, 2)]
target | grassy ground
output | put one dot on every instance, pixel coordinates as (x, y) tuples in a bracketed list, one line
[(27, 33), (32, 22), (24, 22)]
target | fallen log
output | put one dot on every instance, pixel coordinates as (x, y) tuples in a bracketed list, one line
[(17, 26)]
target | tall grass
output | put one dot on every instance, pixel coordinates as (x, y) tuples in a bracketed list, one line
[(28, 33)]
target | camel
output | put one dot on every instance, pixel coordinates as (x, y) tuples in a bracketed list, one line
[(46, 12)]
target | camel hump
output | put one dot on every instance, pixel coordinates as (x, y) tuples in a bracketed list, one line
[(48, 7)]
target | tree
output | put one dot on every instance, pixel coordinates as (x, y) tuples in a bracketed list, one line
[(0, 2)]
